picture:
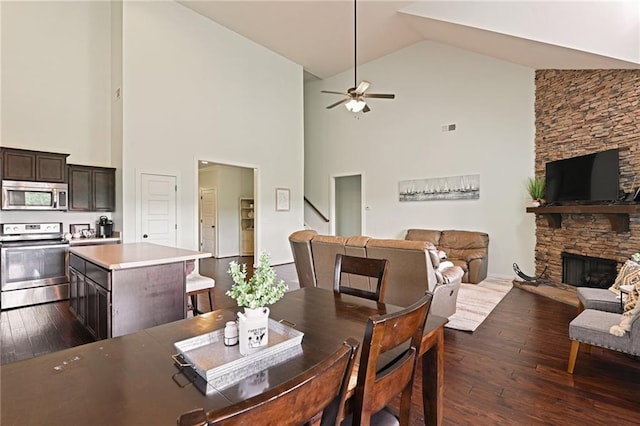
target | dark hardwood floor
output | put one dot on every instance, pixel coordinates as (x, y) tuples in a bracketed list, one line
[(510, 371)]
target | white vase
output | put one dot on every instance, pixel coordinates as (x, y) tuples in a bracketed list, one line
[(253, 331), (535, 203)]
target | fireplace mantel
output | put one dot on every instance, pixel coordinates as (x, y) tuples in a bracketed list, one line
[(618, 214)]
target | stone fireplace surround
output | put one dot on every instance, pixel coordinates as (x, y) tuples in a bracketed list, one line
[(580, 112)]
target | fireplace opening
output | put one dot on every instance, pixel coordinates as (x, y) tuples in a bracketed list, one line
[(587, 271)]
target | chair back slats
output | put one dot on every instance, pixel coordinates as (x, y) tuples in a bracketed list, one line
[(297, 401), (398, 331), (391, 382), (375, 269)]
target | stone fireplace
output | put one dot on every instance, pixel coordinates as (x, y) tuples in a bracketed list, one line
[(579, 112), (588, 271)]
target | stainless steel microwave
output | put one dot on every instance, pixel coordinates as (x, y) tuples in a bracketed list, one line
[(18, 195)]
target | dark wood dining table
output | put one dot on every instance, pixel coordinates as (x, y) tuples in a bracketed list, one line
[(133, 379)]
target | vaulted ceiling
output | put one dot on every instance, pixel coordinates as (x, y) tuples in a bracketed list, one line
[(537, 34)]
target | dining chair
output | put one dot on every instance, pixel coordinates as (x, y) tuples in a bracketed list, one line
[(375, 269), (376, 388), (300, 400), (196, 284)]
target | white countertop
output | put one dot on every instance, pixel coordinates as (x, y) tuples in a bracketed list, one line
[(134, 255)]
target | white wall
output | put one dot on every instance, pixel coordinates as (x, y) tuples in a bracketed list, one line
[(56, 79), (492, 104), (55, 87), (194, 90), (190, 89)]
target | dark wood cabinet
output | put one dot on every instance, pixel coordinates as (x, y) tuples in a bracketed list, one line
[(104, 190), (98, 312), (92, 188), (77, 293), (89, 301), (37, 166)]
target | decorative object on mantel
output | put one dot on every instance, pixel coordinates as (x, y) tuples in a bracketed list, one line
[(254, 295), (535, 188), (465, 187)]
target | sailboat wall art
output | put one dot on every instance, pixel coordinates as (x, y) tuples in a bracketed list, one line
[(465, 187)]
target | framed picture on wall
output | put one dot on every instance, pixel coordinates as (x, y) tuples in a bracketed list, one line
[(283, 199)]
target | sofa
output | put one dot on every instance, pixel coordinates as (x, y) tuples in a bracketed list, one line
[(411, 267), (466, 249)]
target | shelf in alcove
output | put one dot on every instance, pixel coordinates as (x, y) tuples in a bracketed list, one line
[(618, 214)]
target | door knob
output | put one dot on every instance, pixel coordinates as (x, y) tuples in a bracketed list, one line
[(213, 226), (145, 236)]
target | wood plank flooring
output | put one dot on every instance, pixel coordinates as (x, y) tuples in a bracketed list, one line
[(510, 371)]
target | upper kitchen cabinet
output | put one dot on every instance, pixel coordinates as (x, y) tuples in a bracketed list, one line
[(92, 189), (35, 166)]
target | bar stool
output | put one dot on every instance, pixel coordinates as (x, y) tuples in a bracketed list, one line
[(196, 284)]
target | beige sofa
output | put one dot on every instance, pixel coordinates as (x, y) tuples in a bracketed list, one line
[(411, 271), (466, 249)]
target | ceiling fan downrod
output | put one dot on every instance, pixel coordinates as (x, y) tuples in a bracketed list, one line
[(355, 45), (355, 98)]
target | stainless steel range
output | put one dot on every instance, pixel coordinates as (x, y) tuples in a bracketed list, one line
[(34, 264)]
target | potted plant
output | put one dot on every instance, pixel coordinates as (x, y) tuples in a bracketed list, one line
[(261, 289), (535, 187), (254, 295)]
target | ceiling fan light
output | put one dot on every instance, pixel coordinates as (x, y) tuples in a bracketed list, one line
[(355, 105)]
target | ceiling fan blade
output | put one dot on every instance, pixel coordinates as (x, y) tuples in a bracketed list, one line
[(332, 92), (379, 95), (339, 103), (364, 85), (366, 109)]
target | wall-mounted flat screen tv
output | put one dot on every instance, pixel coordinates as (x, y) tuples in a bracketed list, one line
[(588, 178)]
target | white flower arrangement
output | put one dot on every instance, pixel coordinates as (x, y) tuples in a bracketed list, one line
[(261, 289)]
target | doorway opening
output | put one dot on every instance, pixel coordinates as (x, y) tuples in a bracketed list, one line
[(226, 209), (347, 205)]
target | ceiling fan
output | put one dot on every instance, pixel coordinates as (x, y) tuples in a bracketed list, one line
[(356, 96)]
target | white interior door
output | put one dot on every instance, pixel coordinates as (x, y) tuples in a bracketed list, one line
[(208, 220), (158, 222)]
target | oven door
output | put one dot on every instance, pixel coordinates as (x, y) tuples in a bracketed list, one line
[(33, 264)]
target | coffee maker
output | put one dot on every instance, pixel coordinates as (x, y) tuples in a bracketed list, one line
[(104, 227)]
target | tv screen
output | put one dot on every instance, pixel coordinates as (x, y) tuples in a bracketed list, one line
[(592, 177)]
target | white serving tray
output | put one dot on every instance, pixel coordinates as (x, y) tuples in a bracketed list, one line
[(222, 366)]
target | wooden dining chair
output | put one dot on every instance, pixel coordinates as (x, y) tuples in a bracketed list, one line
[(300, 400), (364, 267), (375, 388)]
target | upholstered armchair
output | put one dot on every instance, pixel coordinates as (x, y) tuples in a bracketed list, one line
[(467, 249), (595, 328)]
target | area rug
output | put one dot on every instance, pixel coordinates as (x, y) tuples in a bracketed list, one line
[(476, 301)]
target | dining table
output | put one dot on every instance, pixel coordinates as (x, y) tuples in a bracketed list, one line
[(133, 379)]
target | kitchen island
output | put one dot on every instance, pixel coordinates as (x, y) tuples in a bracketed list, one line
[(118, 289)]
